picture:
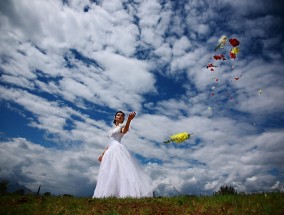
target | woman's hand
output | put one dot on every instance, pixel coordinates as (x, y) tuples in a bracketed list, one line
[(131, 115)]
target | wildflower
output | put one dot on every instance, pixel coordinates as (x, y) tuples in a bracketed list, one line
[(178, 138), (219, 57), (237, 78), (232, 55), (234, 42), (222, 42), (210, 66), (235, 50)]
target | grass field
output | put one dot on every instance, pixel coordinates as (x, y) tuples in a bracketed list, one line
[(266, 203)]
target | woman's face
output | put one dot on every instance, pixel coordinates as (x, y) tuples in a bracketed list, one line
[(119, 117)]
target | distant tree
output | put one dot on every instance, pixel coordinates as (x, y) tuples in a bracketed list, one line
[(242, 193), (226, 190), (47, 194), (67, 195), (4, 186), (20, 192)]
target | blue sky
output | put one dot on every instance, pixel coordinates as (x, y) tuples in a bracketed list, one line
[(68, 66)]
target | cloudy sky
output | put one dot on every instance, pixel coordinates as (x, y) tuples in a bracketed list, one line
[(67, 66)]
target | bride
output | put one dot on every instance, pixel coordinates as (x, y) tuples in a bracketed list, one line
[(120, 174)]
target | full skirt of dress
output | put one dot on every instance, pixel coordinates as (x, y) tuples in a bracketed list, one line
[(121, 176)]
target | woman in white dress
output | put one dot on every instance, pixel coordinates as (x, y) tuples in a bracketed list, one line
[(120, 174)]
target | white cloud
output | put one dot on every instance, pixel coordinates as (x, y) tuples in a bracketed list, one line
[(112, 6), (149, 13), (51, 117), (76, 89), (132, 74), (181, 45), (252, 97), (164, 52), (34, 165)]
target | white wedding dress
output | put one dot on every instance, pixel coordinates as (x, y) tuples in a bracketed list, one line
[(120, 174)]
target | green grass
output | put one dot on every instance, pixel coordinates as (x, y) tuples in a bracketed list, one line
[(268, 203)]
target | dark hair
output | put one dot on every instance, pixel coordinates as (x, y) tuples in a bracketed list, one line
[(114, 121)]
